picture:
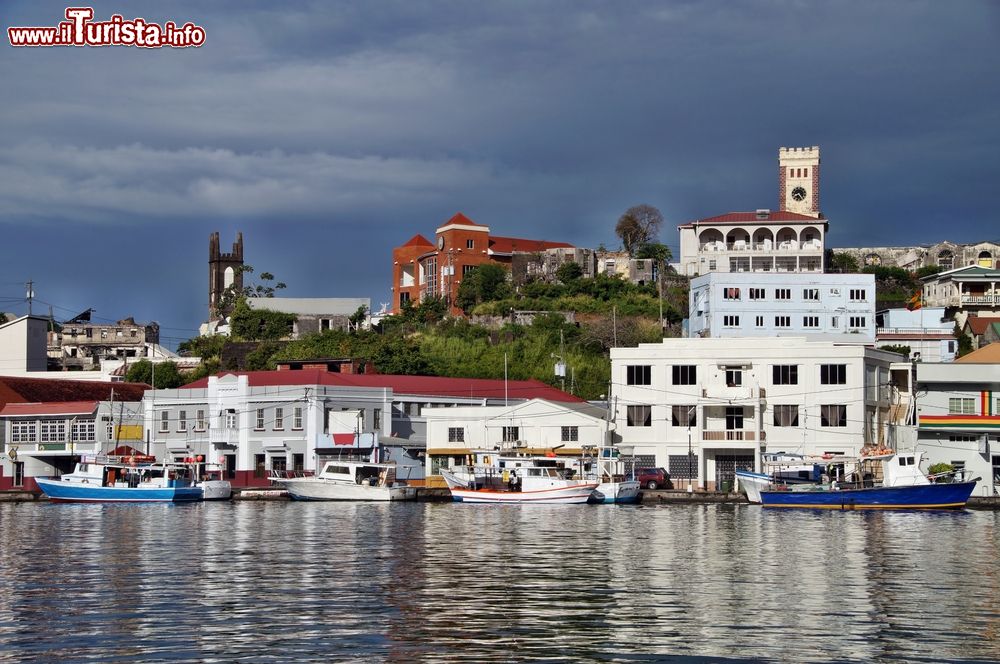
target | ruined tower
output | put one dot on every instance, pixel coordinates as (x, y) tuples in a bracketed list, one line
[(223, 271)]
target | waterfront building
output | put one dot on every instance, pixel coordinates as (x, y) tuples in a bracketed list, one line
[(959, 415), (701, 408), (423, 269), (925, 331), (293, 420), (946, 255), (757, 304), (972, 290), (791, 239), (45, 422), (534, 427)]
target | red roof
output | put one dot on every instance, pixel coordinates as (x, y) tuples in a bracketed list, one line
[(418, 240), (51, 408), (979, 324), (508, 245), (751, 217), (44, 390), (437, 386), (460, 218)]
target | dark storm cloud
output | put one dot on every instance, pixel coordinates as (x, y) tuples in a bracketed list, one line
[(308, 126)]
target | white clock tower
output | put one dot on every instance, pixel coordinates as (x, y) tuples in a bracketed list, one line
[(798, 180)]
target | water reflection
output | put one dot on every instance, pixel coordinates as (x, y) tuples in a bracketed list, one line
[(325, 581)]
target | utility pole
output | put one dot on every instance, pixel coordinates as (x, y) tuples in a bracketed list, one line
[(30, 295)]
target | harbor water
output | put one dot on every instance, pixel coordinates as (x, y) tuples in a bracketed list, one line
[(295, 582)]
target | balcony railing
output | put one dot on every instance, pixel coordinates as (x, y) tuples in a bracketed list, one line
[(980, 299), (765, 247), (735, 434), (223, 436)]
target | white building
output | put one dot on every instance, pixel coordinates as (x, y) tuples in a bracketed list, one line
[(971, 290), (755, 304), (709, 406), (959, 415), (23, 345), (536, 426), (926, 331)]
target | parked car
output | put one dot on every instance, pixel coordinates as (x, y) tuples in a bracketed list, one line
[(654, 478)]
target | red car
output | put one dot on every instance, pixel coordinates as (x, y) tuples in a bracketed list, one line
[(654, 478)]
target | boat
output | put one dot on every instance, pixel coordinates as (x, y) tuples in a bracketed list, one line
[(884, 480), (519, 480), (211, 480), (616, 485), (349, 480), (99, 479)]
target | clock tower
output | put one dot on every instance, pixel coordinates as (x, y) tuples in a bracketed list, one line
[(798, 180)]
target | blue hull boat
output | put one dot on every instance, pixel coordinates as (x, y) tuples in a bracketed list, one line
[(921, 496), (72, 492)]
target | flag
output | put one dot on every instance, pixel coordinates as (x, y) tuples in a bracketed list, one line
[(915, 302)]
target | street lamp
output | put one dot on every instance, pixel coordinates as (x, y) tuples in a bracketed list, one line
[(691, 410)]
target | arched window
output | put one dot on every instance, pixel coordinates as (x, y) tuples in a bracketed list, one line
[(985, 259), (946, 260), (228, 277), (873, 259)]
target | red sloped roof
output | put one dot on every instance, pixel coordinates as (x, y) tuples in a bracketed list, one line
[(44, 390), (751, 217), (979, 324), (439, 386), (418, 240), (508, 245), (51, 408), (460, 218)]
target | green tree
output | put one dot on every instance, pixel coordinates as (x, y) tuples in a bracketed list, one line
[(897, 348), (248, 324), (964, 346), (266, 287), (660, 253), (484, 283), (638, 226), (927, 271), (358, 317), (569, 272), (841, 261), (164, 376), (206, 346)]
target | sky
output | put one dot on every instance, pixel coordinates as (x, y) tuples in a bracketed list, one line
[(330, 132)]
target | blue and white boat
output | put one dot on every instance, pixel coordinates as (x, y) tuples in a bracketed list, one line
[(884, 481), (617, 484), (110, 479)]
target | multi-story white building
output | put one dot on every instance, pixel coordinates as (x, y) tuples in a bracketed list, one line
[(959, 416), (971, 290), (703, 407), (750, 304), (927, 333)]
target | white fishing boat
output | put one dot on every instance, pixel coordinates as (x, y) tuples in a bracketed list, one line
[(349, 480), (517, 480)]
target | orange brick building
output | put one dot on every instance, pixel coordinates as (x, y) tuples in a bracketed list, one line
[(421, 268)]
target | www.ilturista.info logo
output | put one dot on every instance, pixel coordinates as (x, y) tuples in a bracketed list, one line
[(80, 30)]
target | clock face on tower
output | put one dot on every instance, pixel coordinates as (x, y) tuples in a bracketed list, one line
[(440, 243), (799, 194)]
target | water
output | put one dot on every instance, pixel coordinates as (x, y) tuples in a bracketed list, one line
[(293, 582)]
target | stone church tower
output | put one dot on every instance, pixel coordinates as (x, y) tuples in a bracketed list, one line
[(798, 180), (223, 271)]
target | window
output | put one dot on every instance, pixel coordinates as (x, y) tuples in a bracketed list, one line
[(759, 321), (731, 321), (297, 418), (785, 374), (639, 416), (756, 293), (835, 322), (22, 432), (856, 321), (685, 374), (53, 432), (810, 294), (164, 422), (470, 244), (456, 435), (638, 374), (260, 419), (833, 416), (683, 416), (466, 269), (85, 431), (782, 321), (786, 416), (712, 264), (857, 295), (734, 418), (961, 406), (511, 434), (731, 293), (279, 419), (810, 321), (805, 172), (833, 374), (734, 377), (782, 293), (200, 421), (182, 421), (230, 420), (962, 439), (377, 419), (570, 434)]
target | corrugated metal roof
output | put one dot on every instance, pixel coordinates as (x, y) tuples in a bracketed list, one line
[(51, 408)]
